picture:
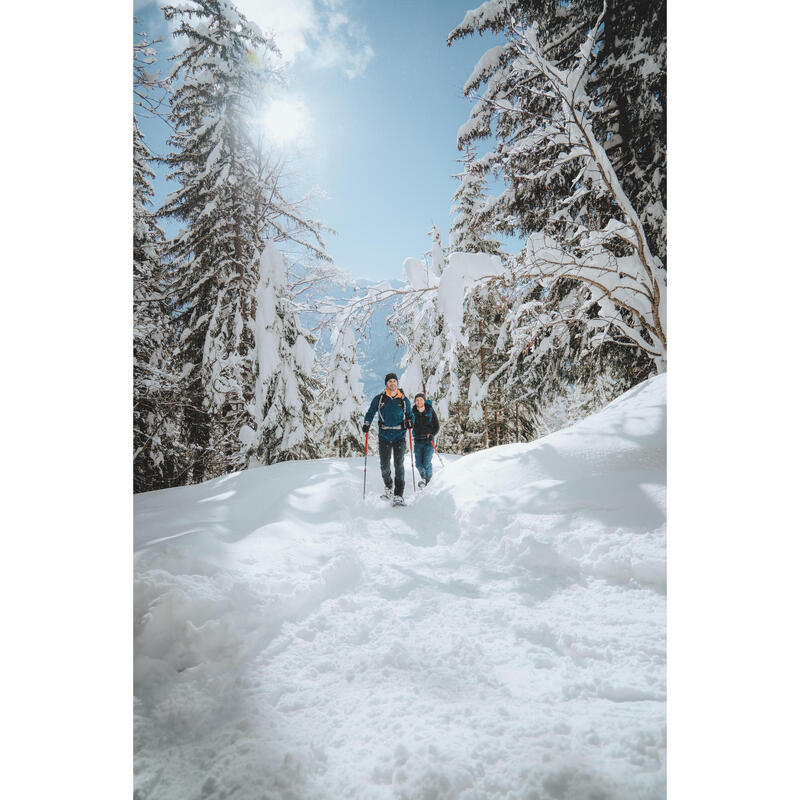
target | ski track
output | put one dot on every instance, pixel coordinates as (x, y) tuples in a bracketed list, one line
[(474, 644)]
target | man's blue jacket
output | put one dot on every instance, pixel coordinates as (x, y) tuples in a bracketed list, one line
[(392, 413)]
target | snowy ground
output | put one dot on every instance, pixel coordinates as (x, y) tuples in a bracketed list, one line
[(503, 636)]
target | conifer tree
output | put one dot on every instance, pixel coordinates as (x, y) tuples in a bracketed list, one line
[(469, 230), (627, 83), (156, 462), (229, 200), (437, 253), (154, 421), (470, 233), (284, 404), (343, 394), (580, 134)]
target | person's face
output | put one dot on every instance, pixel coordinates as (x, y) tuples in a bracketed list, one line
[(419, 403), (391, 385)]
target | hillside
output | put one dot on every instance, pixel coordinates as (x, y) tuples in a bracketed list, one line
[(502, 636)]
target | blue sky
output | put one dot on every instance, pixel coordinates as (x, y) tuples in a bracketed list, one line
[(381, 94)]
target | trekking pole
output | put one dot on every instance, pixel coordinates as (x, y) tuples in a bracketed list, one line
[(437, 453), (411, 450), (366, 440)]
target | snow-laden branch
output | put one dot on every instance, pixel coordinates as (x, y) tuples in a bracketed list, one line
[(630, 290)]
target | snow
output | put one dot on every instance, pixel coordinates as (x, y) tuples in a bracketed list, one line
[(271, 266), (487, 64), (416, 273), (461, 272), (304, 355), (474, 398), (503, 636), (411, 378)]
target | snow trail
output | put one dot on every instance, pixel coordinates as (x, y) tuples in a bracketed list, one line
[(502, 636)]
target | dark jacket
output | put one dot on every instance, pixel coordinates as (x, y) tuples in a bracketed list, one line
[(426, 423), (392, 413)]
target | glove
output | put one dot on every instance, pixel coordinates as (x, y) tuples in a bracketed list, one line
[(365, 427), (409, 424)]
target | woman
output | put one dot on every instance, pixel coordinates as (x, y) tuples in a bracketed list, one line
[(426, 426)]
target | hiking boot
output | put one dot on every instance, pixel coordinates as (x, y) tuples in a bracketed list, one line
[(387, 493), (422, 484), (397, 500)]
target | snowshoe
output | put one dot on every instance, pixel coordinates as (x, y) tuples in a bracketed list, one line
[(387, 493), (422, 484), (398, 501)]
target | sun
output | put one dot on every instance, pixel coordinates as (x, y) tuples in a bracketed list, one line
[(287, 120)]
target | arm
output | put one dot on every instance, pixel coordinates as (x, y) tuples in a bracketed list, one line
[(408, 417), (371, 411), (435, 424)]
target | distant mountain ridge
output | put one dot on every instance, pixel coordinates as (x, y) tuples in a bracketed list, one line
[(377, 350)]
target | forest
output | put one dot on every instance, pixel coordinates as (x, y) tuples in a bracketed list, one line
[(568, 114)]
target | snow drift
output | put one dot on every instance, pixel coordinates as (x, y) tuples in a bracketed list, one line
[(501, 637)]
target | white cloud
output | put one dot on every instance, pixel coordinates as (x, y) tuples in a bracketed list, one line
[(318, 32), (291, 22), (346, 48)]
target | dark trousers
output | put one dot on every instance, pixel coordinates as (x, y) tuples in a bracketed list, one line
[(387, 451), (423, 455)]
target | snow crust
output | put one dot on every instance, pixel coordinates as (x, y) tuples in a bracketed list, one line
[(501, 637)]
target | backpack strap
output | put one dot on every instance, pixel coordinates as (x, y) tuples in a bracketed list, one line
[(381, 423)]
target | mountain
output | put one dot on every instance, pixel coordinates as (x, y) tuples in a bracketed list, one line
[(378, 352), (502, 636)]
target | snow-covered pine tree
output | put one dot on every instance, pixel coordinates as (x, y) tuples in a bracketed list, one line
[(150, 90), (343, 394), (154, 387), (229, 199), (469, 230), (470, 233), (286, 425), (437, 253), (156, 463), (572, 404), (485, 309), (628, 87), (418, 325), (549, 99)]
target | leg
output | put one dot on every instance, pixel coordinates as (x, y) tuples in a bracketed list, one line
[(385, 452), (419, 448), (399, 448), (427, 456)]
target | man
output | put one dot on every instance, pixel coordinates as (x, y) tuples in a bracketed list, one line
[(394, 418), (426, 426)]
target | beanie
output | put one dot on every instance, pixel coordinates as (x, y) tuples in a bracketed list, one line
[(389, 377), (419, 394)]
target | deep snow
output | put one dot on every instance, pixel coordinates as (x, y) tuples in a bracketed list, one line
[(503, 636)]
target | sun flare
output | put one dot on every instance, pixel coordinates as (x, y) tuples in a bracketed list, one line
[(286, 121)]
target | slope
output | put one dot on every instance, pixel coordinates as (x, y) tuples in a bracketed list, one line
[(501, 637)]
